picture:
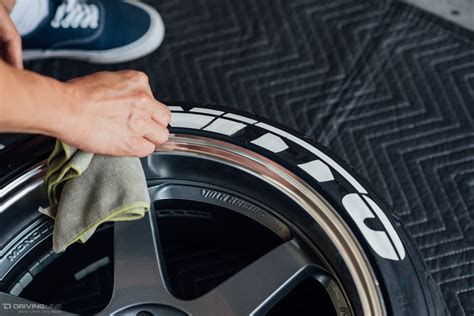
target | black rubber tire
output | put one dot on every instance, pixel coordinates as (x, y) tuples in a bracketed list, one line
[(407, 287)]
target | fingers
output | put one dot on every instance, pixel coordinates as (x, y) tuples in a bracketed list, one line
[(122, 106), (161, 114), (159, 111), (142, 148), (138, 81), (142, 125), (156, 133), (14, 53), (10, 40)]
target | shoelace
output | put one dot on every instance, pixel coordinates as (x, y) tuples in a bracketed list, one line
[(76, 13)]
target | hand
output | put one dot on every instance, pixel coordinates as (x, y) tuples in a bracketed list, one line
[(114, 113), (10, 40)]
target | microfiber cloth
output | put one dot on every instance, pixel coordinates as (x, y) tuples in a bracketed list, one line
[(86, 190)]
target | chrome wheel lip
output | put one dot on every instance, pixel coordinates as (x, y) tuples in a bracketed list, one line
[(22, 185), (283, 180), (300, 192)]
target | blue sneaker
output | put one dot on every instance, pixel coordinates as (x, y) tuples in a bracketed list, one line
[(100, 31)]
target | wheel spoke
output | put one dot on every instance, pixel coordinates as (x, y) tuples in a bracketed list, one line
[(13, 305), (256, 288), (138, 273)]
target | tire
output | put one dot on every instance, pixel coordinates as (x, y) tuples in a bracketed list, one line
[(395, 277)]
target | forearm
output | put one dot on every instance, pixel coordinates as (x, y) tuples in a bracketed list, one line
[(31, 103)]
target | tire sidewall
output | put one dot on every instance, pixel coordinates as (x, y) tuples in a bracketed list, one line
[(406, 286)]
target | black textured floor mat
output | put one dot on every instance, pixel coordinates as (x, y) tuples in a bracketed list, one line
[(388, 88)]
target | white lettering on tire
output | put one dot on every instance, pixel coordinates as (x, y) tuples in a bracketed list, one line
[(387, 243)]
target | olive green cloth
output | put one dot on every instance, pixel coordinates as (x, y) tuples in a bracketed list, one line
[(86, 190)]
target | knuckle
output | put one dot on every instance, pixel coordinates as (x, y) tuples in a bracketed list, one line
[(142, 97), (138, 124), (140, 77), (164, 135), (163, 115)]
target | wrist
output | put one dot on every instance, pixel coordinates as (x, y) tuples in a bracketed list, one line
[(31, 103), (50, 101), (58, 102)]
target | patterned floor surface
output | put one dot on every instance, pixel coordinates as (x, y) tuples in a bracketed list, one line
[(387, 87)]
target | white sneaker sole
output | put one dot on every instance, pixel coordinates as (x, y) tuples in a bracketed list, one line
[(148, 43)]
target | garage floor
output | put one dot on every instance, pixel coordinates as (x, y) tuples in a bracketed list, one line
[(386, 86)]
